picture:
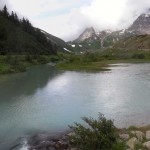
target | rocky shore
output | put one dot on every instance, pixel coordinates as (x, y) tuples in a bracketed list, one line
[(134, 139), (47, 142)]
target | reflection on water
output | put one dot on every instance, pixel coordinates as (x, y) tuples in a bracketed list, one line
[(24, 84), (44, 99)]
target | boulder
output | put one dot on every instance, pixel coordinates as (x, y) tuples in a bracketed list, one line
[(63, 144), (147, 144), (140, 135), (124, 137), (148, 135), (38, 138), (45, 144), (132, 142)]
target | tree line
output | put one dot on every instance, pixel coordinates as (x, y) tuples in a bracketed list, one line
[(19, 36)]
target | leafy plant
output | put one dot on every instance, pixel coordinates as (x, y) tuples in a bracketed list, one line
[(98, 134)]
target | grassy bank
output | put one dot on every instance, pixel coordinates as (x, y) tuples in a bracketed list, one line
[(99, 61), (93, 66), (19, 63), (90, 61)]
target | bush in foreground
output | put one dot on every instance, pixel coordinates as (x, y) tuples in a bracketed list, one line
[(98, 134)]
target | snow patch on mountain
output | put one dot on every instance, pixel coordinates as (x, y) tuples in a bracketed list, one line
[(65, 49), (73, 45)]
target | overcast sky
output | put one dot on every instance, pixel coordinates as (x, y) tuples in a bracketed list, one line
[(68, 18)]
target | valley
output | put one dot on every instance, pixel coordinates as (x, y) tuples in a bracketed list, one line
[(48, 83)]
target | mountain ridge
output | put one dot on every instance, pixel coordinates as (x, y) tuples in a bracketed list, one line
[(107, 38)]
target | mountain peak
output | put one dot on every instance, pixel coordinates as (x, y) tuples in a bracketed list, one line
[(147, 13), (87, 34), (142, 23)]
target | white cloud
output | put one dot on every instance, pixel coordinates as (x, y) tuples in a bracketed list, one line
[(66, 19), (105, 13)]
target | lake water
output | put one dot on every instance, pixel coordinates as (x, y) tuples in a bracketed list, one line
[(46, 100)]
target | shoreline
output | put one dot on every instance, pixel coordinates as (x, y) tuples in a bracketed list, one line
[(20, 63), (97, 66), (23, 64), (60, 141)]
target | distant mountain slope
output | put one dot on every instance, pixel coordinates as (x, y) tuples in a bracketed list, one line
[(140, 26), (138, 42), (61, 45), (87, 40), (116, 36)]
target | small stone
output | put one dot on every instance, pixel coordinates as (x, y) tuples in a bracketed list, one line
[(140, 135), (132, 142), (52, 144), (55, 139), (65, 138), (133, 132), (57, 146), (44, 144), (71, 134), (148, 135), (147, 144), (124, 137)]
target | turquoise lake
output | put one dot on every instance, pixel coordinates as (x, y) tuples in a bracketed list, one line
[(44, 99)]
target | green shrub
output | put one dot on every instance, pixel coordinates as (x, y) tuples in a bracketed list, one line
[(138, 56), (15, 62), (28, 58), (41, 59), (99, 134)]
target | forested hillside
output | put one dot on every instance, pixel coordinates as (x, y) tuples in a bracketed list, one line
[(18, 36)]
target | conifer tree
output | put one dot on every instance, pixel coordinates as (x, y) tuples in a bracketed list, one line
[(5, 12)]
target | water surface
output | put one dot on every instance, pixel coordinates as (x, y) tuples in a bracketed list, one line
[(46, 100)]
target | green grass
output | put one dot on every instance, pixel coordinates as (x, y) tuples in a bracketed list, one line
[(19, 63), (4, 68), (94, 66), (96, 61), (99, 61)]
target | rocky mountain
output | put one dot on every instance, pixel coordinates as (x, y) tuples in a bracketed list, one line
[(88, 35), (142, 24), (88, 39), (107, 38), (137, 42), (139, 37), (116, 36)]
